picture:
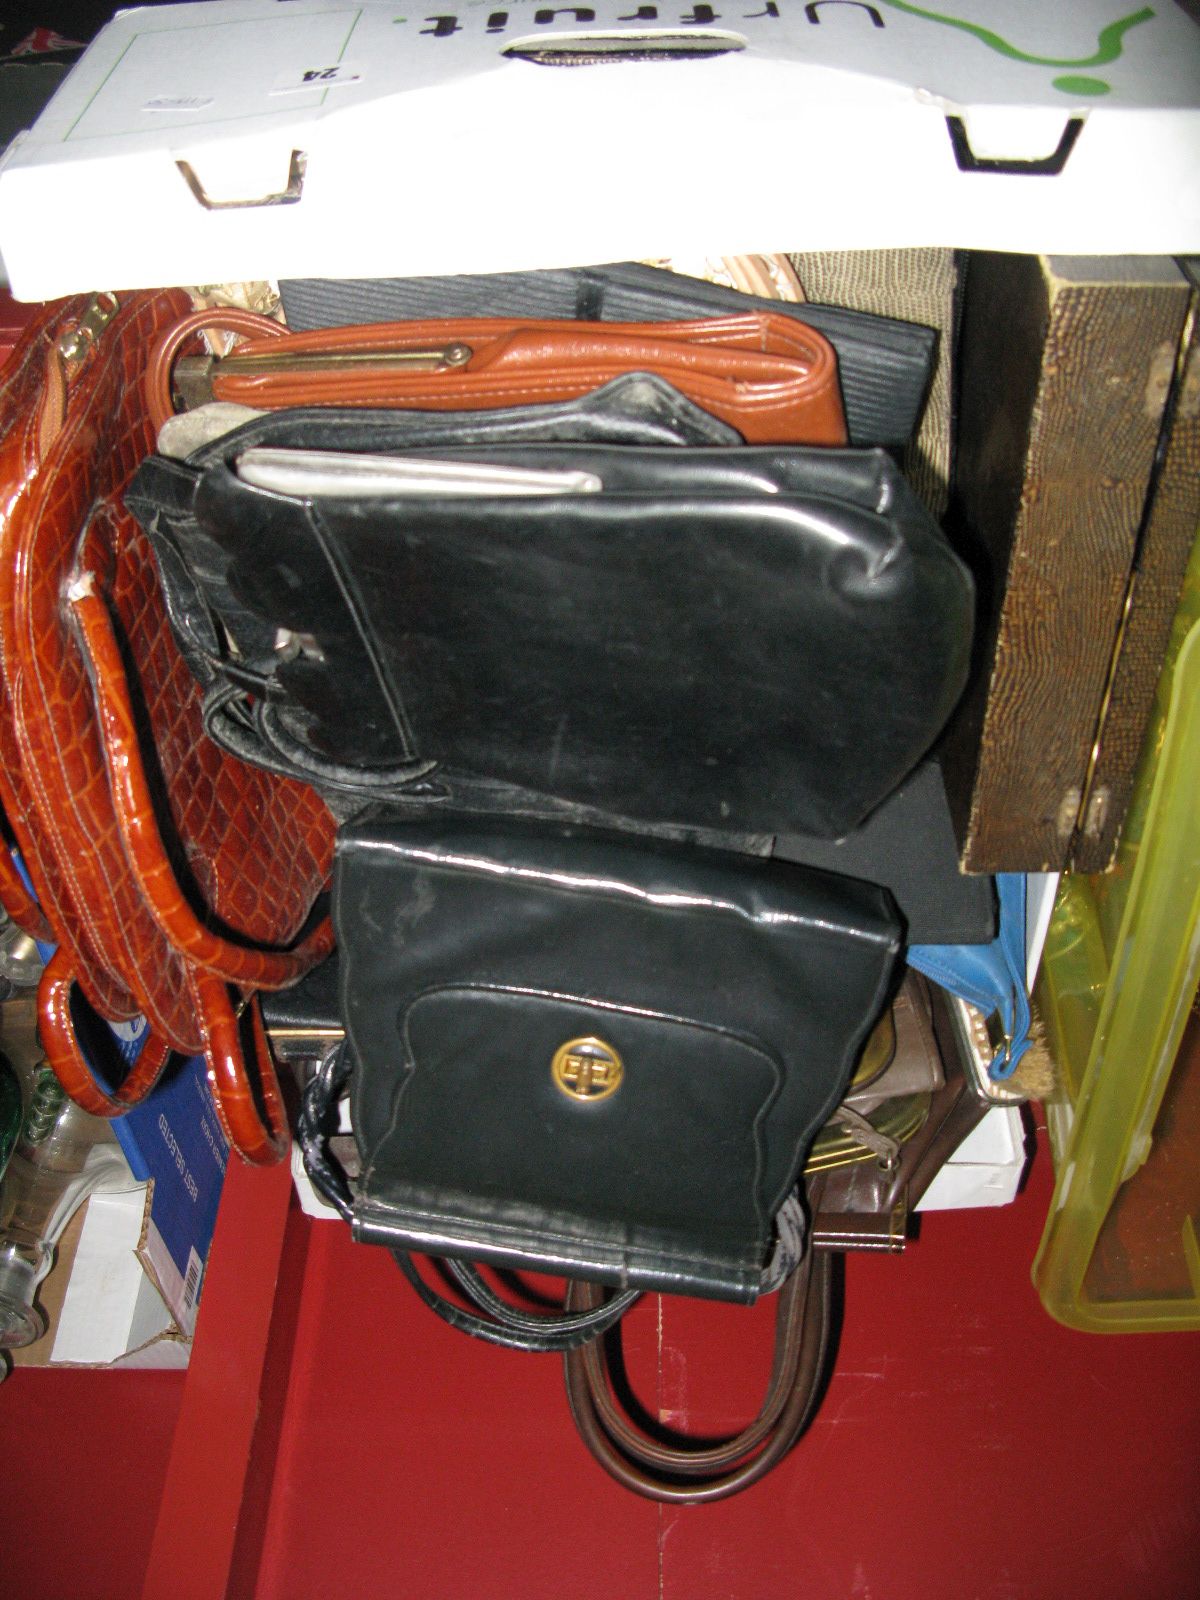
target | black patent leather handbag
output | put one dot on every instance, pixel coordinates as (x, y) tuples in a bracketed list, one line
[(575, 1054), (750, 640)]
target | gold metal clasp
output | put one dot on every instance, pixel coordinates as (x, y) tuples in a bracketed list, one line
[(587, 1069), (80, 340), (193, 375), (438, 359)]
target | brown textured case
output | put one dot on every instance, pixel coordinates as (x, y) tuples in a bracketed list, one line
[(1076, 500)]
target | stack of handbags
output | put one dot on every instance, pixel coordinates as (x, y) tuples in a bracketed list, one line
[(549, 604), (517, 602)]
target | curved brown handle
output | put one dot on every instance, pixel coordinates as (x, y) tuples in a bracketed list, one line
[(56, 1030), (230, 319), (245, 1093), (133, 807), (244, 1086), (649, 1468)]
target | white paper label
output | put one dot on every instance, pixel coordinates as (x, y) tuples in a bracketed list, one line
[(316, 78), (178, 102), (191, 1282)]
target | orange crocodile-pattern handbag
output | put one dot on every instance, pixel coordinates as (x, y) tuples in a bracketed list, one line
[(176, 881)]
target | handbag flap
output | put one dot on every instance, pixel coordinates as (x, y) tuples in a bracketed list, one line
[(578, 1054)]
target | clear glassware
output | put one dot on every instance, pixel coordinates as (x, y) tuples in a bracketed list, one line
[(20, 959), (10, 1110), (62, 1156)]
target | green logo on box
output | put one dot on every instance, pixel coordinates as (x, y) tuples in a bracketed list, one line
[(1109, 45)]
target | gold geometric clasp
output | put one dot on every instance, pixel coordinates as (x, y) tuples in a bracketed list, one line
[(587, 1069)]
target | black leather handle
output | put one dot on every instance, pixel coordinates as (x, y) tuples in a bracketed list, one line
[(503, 1324), (317, 1120), (553, 1334)]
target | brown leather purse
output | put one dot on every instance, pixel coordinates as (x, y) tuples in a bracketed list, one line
[(772, 378), (175, 880), (899, 1123)]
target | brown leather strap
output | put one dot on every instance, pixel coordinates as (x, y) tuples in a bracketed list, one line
[(229, 319), (653, 1469), (133, 806), (697, 1462)]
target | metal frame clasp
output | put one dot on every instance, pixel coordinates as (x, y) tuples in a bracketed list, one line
[(80, 340)]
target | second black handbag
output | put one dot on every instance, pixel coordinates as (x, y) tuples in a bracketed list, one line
[(574, 1053)]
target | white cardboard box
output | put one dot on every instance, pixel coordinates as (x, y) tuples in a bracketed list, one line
[(112, 1314), (252, 139), (100, 1299), (986, 1168)]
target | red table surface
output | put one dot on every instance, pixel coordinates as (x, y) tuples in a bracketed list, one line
[(967, 1446)]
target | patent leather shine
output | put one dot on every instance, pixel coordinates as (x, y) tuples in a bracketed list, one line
[(706, 642)]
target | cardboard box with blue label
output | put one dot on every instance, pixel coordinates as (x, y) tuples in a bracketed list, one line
[(174, 1141)]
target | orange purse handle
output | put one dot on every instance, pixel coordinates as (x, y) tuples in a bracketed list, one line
[(56, 1031), (133, 807), (251, 1114), (241, 1072)]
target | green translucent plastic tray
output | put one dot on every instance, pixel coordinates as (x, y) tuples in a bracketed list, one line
[(1118, 979)]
